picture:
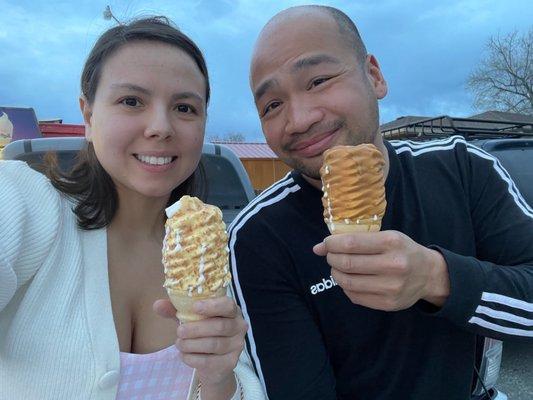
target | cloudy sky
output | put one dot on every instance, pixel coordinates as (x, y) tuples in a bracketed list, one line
[(426, 50)]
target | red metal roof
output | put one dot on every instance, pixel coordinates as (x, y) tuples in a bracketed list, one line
[(243, 150), (249, 150), (49, 130)]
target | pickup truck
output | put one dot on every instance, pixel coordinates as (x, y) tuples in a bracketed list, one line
[(511, 142), (230, 189), (228, 185)]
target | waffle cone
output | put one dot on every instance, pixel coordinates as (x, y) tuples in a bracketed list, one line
[(362, 226), (183, 303)]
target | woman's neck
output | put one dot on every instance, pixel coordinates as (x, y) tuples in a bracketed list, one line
[(140, 217)]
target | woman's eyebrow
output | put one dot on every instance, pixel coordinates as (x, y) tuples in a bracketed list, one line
[(187, 95), (130, 86)]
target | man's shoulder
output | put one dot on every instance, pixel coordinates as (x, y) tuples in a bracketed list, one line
[(455, 150), (269, 207), (428, 149)]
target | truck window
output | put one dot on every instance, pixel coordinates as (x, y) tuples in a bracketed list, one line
[(223, 184), (519, 163)]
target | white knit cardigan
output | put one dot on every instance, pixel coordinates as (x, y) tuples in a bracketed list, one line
[(57, 334)]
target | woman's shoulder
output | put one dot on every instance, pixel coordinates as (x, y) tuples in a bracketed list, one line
[(18, 179), (17, 170)]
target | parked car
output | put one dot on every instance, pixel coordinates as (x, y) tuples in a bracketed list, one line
[(228, 185), (511, 142)]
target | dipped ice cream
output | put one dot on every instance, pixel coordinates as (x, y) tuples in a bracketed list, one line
[(6, 129), (353, 186), (195, 255)]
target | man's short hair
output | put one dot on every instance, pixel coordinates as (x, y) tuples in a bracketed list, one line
[(347, 29)]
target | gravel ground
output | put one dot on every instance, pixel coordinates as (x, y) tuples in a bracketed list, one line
[(516, 375)]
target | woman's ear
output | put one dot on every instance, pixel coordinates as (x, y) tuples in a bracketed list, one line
[(87, 113)]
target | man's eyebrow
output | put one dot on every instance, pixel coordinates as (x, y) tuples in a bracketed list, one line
[(311, 61), (303, 63), (263, 87)]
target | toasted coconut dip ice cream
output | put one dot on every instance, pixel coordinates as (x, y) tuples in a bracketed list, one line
[(195, 254)]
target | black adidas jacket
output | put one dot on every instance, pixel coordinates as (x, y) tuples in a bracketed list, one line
[(308, 341)]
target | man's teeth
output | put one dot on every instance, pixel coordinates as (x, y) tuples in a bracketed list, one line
[(154, 160)]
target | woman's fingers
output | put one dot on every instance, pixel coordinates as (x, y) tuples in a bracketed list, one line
[(216, 307), (164, 308), (212, 327), (212, 345)]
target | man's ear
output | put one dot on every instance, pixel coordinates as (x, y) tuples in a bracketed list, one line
[(375, 76), (87, 113)]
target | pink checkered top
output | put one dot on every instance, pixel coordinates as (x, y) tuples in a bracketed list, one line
[(156, 376)]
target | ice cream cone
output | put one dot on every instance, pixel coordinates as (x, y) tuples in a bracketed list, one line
[(183, 303), (195, 255), (362, 226), (353, 186)]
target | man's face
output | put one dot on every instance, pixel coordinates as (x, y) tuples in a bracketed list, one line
[(311, 91)]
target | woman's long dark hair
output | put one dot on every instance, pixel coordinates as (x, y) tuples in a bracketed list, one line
[(87, 182)]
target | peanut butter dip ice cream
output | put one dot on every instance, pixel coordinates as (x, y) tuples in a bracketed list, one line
[(354, 188), (195, 255)]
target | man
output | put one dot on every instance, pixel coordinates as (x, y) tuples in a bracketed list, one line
[(385, 315)]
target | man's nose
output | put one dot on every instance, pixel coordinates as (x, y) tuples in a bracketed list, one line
[(301, 116), (159, 124)]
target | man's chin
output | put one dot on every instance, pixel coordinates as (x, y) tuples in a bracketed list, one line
[(312, 172)]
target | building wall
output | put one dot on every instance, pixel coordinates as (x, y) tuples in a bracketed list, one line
[(263, 172)]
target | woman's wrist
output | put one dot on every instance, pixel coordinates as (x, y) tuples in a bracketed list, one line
[(223, 390)]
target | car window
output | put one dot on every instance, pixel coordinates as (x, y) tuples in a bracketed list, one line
[(519, 163), (223, 183), (224, 187), (66, 159)]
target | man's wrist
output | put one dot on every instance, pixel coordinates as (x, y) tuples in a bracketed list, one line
[(438, 284)]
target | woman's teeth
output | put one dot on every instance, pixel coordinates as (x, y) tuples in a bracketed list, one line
[(154, 160)]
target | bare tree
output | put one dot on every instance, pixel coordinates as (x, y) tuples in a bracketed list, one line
[(504, 79), (228, 137)]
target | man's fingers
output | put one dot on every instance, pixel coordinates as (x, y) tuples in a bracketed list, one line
[(357, 264), (368, 284), (164, 308), (363, 242)]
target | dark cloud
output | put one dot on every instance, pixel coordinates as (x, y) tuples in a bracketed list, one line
[(426, 50)]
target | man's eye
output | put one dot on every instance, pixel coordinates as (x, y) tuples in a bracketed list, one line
[(131, 102), (184, 108), (317, 82), (271, 106)]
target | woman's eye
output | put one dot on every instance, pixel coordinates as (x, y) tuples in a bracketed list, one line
[(131, 102), (184, 108)]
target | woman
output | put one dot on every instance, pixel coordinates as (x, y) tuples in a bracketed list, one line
[(80, 255)]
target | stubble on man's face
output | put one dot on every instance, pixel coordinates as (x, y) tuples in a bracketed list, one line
[(350, 136)]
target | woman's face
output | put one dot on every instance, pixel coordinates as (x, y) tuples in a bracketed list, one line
[(148, 118)]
